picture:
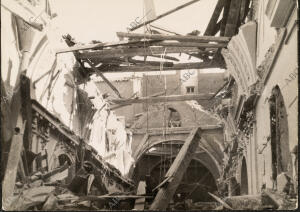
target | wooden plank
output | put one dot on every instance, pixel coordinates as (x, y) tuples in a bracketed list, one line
[(214, 18), (172, 98), (176, 130), (140, 203), (26, 111), (131, 52), (220, 201), (225, 16), (217, 28), (12, 163), (99, 46), (244, 9), (176, 171), (145, 68), (188, 44), (164, 14), (186, 38), (151, 63), (233, 17), (105, 79)]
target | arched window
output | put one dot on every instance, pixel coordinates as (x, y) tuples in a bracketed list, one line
[(281, 157), (174, 119), (244, 178)]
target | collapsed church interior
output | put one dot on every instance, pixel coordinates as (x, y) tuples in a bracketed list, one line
[(157, 120)]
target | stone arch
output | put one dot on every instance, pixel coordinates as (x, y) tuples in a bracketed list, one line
[(64, 158), (197, 180), (280, 154), (244, 178), (60, 155), (214, 160), (206, 158)]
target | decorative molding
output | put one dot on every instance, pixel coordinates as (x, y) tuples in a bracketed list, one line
[(240, 57)]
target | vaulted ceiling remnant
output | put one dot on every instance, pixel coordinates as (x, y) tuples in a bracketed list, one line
[(153, 133), (240, 58)]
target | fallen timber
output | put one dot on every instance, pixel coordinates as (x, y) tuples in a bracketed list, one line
[(144, 68), (176, 171), (186, 38), (171, 98), (164, 14), (138, 43), (131, 52)]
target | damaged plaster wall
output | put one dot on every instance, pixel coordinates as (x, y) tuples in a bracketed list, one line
[(55, 87), (284, 74)]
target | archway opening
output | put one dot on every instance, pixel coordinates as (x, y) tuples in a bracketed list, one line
[(63, 159), (197, 181), (174, 119), (244, 178), (281, 156)]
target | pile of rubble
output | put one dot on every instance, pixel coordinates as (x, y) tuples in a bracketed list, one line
[(40, 194)]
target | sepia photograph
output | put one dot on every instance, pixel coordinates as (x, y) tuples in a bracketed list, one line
[(149, 105)]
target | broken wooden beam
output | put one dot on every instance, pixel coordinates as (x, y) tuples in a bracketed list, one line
[(233, 17), (172, 98), (224, 17), (176, 130), (147, 68), (151, 63), (244, 10), (186, 44), (105, 79), (14, 155), (140, 203), (246, 202), (220, 201), (131, 52), (164, 14), (104, 197), (98, 46), (176, 171), (214, 18), (186, 38)]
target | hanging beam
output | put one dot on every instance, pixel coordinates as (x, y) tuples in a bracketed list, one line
[(233, 17), (176, 171), (164, 14), (206, 129), (14, 156), (225, 17), (186, 38), (105, 79), (99, 46), (185, 44), (137, 43), (145, 68), (131, 52), (215, 16), (172, 98)]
